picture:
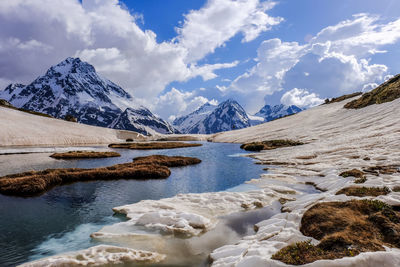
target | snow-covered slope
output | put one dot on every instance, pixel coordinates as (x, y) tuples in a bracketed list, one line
[(186, 123), (19, 128), (270, 113), (73, 87), (228, 115), (143, 121)]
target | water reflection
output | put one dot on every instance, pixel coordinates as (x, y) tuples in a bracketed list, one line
[(62, 219)]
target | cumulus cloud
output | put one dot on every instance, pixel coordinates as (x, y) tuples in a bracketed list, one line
[(335, 61), (177, 103), (210, 27), (41, 33), (301, 98)]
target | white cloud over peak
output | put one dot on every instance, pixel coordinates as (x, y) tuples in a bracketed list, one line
[(335, 61), (177, 103), (301, 98), (36, 34)]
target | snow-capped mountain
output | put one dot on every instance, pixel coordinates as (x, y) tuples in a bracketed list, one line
[(270, 113), (228, 115), (143, 121), (73, 87), (185, 123)]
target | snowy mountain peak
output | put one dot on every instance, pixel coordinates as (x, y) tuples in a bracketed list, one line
[(228, 115), (73, 87), (270, 113), (71, 65), (185, 123)]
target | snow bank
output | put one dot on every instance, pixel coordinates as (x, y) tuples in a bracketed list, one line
[(22, 129), (189, 214), (99, 256)]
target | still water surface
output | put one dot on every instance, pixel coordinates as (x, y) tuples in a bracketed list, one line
[(62, 219)]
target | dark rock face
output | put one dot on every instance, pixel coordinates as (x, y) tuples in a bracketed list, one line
[(270, 113), (143, 121), (73, 88)]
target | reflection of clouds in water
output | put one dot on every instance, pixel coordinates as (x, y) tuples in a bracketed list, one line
[(70, 241), (58, 214)]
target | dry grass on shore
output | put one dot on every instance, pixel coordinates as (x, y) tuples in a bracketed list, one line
[(345, 229), (85, 155), (270, 144), (37, 182), (154, 145), (364, 191)]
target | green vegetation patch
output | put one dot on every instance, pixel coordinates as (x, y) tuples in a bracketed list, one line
[(386, 92), (270, 144)]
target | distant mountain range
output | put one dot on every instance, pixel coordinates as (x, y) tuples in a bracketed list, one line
[(228, 115), (270, 113), (73, 88)]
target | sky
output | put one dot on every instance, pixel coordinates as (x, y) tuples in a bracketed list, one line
[(175, 55)]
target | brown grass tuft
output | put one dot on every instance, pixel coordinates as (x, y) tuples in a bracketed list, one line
[(364, 191), (84, 155), (382, 169), (352, 173), (386, 92), (270, 144), (36, 182), (341, 98), (344, 229), (175, 161), (154, 145)]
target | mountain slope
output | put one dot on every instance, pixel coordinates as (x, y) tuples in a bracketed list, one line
[(143, 121), (73, 88), (228, 115), (270, 113), (186, 123), (19, 128)]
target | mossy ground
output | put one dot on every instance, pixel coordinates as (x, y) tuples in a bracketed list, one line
[(341, 98), (386, 92), (344, 229), (364, 191)]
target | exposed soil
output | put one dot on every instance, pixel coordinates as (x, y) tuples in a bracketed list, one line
[(270, 144), (386, 92), (344, 229), (84, 155), (364, 191), (154, 145), (37, 182)]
